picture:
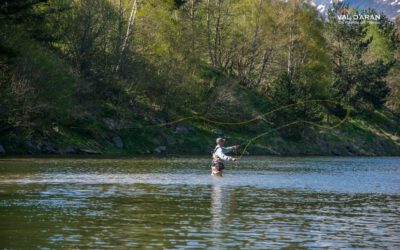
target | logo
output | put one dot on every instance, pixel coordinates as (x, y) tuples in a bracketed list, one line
[(355, 15)]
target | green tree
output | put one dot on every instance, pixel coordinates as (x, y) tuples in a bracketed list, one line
[(359, 74)]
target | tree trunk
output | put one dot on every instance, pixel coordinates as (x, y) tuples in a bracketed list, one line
[(127, 35), (291, 45), (254, 44), (192, 24), (267, 55), (217, 60), (209, 34), (119, 31), (289, 58)]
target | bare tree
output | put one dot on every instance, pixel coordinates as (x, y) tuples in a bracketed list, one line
[(254, 46), (210, 53), (217, 35), (266, 58), (119, 25), (192, 19), (129, 30)]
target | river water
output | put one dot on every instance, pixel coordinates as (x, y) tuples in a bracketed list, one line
[(259, 203)]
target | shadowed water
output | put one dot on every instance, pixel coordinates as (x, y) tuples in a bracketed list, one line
[(261, 202)]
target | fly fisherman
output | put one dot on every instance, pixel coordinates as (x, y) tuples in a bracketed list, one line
[(219, 156)]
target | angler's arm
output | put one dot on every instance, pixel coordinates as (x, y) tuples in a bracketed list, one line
[(223, 156), (230, 149), (227, 149)]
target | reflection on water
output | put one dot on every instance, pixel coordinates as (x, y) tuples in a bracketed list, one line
[(217, 214), (216, 208), (317, 202)]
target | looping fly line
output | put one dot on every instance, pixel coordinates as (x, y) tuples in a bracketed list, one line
[(262, 117)]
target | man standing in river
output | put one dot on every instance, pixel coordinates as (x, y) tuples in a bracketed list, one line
[(218, 156)]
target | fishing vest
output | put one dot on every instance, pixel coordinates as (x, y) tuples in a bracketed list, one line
[(215, 157)]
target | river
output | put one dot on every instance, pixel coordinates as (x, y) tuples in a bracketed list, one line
[(170, 203)]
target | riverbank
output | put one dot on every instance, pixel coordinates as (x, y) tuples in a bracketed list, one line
[(358, 136)]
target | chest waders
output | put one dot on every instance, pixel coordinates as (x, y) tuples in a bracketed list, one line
[(217, 165)]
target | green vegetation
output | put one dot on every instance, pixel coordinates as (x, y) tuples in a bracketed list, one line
[(99, 76)]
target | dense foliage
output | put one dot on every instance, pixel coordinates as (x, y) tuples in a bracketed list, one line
[(69, 65)]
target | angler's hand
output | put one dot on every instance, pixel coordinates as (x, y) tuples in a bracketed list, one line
[(235, 159), (235, 146)]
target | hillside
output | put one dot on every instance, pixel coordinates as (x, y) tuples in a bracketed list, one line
[(121, 77)]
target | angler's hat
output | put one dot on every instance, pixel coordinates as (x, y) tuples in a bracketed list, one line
[(219, 139)]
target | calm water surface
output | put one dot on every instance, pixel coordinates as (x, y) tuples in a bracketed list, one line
[(260, 203)]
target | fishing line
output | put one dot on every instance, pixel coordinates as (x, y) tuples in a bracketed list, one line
[(262, 117)]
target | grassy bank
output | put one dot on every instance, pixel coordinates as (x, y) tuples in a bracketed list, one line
[(358, 136)]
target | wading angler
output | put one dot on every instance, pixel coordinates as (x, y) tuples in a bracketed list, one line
[(218, 156)]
